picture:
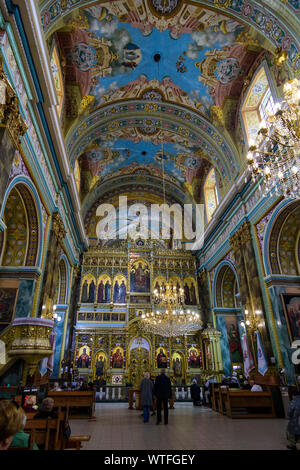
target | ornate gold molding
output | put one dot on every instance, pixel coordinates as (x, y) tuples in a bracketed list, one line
[(10, 116), (58, 227), (235, 242), (245, 232)]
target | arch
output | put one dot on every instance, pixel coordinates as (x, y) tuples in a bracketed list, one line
[(280, 243), (23, 189), (108, 190), (191, 126), (64, 280), (225, 272)]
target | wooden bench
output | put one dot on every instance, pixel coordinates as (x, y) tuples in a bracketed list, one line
[(245, 404), (75, 399), (50, 432)]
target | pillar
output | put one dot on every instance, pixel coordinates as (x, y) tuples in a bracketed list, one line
[(12, 127), (51, 272), (247, 272)]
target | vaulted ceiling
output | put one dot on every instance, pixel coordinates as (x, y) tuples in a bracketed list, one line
[(151, 88)]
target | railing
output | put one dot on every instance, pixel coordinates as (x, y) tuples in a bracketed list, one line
[(118, 393)]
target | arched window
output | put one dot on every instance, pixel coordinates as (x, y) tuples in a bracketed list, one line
[(77, 175), (210, 194), (258, 104), (58, 78)]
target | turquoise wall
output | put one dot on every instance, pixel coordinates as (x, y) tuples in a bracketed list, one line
[(282, 331), (221, 326), (25, 298)]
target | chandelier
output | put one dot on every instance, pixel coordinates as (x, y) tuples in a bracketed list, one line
[(170, 318), (275, 156)]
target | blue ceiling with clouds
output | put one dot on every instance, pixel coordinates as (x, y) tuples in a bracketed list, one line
[(109, 51)]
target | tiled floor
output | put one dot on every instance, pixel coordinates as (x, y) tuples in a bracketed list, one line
[(189, 427)]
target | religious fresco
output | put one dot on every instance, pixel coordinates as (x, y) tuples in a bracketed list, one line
[(117, 357), (139, 276), (181, 164), (194, 358), (119, 289), (106, 52), (110, 52), (84, 357), (104, 289), (234, 341), (177, 364), (189, 287), (88, 290), (8, 296), (161, 358), (291, 305), (101, 363)]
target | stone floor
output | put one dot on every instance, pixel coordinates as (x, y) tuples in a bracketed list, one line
[(189, 427)]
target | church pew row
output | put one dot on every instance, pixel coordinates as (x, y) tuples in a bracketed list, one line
[(49, 434), (74, 399), (243, 403)]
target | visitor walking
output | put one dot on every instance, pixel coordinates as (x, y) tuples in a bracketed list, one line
[(146, 395)]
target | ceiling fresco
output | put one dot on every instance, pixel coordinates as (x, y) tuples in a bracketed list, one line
[(147, 86), (179, 164)]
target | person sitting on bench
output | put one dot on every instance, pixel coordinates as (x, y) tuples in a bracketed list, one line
[(254, 386), (47, 410)]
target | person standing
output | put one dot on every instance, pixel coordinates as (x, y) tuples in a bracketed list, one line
[(195, 393), (162, 391), (146, 395), (293, 429)]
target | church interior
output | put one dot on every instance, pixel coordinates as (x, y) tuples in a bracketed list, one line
[(110, 111)]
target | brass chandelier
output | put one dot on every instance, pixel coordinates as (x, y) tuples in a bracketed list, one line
[(275, 156), (170, 318)]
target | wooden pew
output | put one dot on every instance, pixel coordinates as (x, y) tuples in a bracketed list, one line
[(215, 390), (45, 433), (222, 399), (241, 403), (74, 399), (39, 429)]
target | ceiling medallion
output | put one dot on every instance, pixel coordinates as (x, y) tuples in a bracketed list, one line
[(165, 7), (148, 127)]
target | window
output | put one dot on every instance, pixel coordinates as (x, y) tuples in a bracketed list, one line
[(58, 78), (258, 105), (210, 194)]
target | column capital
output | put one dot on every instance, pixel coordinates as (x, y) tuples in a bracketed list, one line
[(10, 115), (245, 232), (58, 227), (235, 242)]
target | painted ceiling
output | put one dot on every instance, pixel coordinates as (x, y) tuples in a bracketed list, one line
[(154, 53)]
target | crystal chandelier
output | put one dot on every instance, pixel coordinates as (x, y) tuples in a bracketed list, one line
[(170, 318), (275, 156)]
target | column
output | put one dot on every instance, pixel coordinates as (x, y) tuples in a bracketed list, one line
[(250, 290), (50, 277)]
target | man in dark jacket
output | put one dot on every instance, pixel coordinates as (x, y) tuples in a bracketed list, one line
[(293, 429), (195, 393), (162, 391)]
